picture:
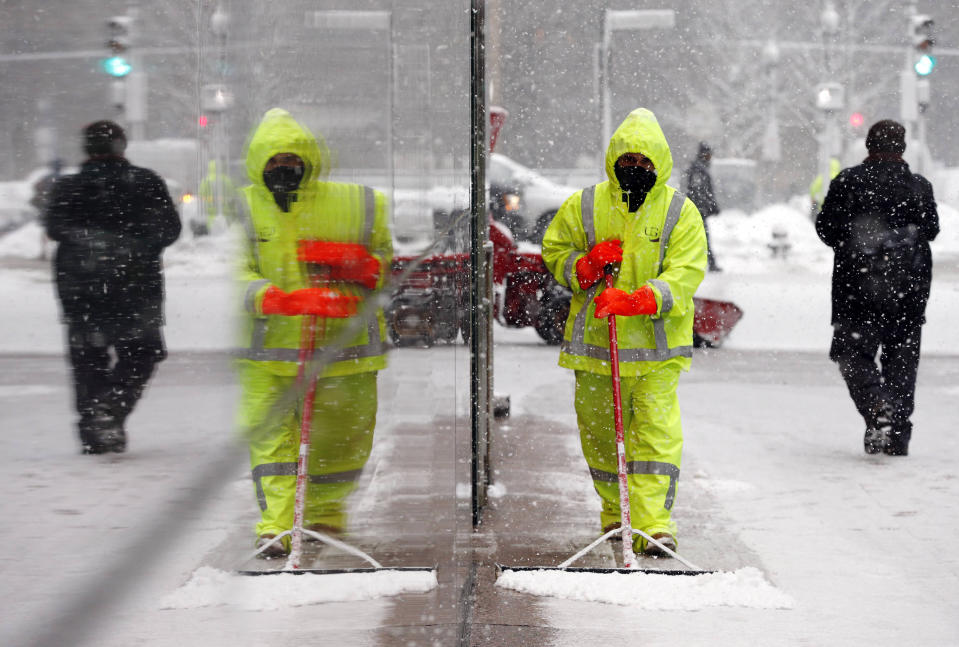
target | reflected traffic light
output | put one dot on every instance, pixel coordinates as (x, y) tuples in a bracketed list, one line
[(117, 66)]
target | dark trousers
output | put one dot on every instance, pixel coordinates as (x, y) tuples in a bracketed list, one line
[(892, 382), (112, 362), (710, 257)]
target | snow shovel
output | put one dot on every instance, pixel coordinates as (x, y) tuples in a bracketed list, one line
[(312, 326), (626, 529)]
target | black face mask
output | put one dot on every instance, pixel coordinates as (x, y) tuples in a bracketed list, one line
[(283, 181), (636, 182)]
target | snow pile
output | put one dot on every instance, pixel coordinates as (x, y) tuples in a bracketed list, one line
[(25, 241), (211, 587), (742, 241), (745, 587)]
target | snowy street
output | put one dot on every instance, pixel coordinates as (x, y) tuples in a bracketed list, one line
[(773, 478), (403, 200), (847, 549)]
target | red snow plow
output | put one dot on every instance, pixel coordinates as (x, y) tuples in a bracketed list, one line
[(713, 321), (431, 303)]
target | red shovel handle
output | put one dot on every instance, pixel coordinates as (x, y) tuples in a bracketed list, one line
[(627, 530)]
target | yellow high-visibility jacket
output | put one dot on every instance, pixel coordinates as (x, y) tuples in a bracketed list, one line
[(664, 246), (329, 211)]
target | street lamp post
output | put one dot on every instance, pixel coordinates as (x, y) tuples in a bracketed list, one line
[(218, 99), (830, 96), (771, 150), (830, 99), (613, 20), (829, 21)]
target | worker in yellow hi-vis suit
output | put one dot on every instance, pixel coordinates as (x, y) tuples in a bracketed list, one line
[(653, 238), (291, 205)]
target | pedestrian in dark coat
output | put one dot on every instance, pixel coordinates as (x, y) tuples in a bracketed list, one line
[(112, 221), (879, 218), (699, 188)]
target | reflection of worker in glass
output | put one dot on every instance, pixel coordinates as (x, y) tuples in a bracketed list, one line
[(653, 236), (217, 186), (817, 193), (341, 229)]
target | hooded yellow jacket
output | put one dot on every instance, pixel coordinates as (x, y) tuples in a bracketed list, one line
[(664, 246), (329, 211)]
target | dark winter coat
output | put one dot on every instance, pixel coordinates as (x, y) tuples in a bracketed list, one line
[(699, 188), (879, 218), (112, 220)]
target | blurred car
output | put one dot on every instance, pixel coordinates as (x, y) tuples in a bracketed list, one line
[(734, 181), (532, 199)]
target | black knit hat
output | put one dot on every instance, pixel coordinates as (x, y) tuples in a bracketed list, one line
[(886, 136), (104, 138)]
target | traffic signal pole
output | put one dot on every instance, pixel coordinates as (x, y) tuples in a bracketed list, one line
[(128, 91), (914, 84), (136, 106)]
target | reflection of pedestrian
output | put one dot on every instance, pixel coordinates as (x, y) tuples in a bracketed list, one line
[(112, 221), (655, 237), (218, 196), (699, 188), (879, 218), (816, 192), (342, 230)]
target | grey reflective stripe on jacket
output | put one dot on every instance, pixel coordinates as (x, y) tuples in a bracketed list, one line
[(249, 300), (375, 344), (644, 467), (578, 346), (289, 469), (586, 208), (258, 353)]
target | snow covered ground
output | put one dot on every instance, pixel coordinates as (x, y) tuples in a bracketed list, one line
[(865, 548)]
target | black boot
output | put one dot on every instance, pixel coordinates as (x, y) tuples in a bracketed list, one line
[(897, 442), (878, 428), (872, 442), (101, 432)]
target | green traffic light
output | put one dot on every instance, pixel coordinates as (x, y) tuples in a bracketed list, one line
[(117, 66), (925, 65)]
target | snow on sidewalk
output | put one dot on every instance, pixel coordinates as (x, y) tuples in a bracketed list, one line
[(745, 587), (213, 587)]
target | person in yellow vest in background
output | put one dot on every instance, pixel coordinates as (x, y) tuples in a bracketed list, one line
[(218, 186), (653, 238), (817, 193), (343, 230)]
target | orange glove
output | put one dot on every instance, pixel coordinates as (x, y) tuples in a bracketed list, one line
[(617, 302), (308, 301), (347, 261), (590, 268)]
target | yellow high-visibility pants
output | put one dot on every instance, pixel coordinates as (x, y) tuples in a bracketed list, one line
[(344, 415), (653, 442)]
